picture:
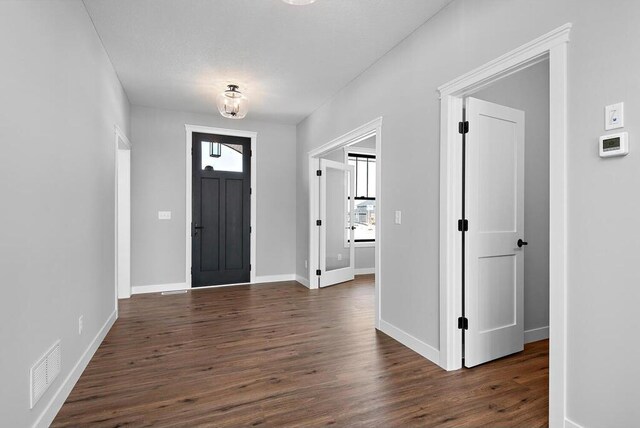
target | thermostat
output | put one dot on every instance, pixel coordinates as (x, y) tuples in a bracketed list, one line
[(614, 145)]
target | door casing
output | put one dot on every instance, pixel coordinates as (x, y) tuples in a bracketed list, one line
[(190, 129), (552, 46), (122, 216)]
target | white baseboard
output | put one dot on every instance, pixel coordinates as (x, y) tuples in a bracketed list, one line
[(275, 278), (159, 288), (416, 345), (570, 424), (55, 404), (303, 281), (364, 271), (536, 334)]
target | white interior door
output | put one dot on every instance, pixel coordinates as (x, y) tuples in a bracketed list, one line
[(336, 220), (494, 207)]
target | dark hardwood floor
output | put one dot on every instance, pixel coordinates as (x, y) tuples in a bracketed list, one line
[(282, 355)]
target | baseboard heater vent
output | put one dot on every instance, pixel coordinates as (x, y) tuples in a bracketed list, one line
[(44, 372)]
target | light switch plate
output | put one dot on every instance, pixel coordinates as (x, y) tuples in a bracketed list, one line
[(164, 215), (614, 116), (398, 217)]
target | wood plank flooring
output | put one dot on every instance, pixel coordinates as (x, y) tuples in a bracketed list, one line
[(282, 355)]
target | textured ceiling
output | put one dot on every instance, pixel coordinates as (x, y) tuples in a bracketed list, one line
[(179, 54)]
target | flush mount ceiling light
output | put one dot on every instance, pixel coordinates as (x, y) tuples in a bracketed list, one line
[(299, 2), (232, 103)]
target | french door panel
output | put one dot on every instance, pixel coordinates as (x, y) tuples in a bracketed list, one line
[(494, 207), (336, 217)]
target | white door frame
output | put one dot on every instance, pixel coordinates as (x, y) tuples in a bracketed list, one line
[(190, 129), (551, 46), (373, 128), (122, 211)]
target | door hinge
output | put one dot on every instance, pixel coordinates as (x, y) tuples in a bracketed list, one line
[(191, 151), (319, 172), (250, 153), (463, 127), (463, 225), (250, 190), (463, 323), (250, 229), (318, 272), (318, 222), (192, 270)]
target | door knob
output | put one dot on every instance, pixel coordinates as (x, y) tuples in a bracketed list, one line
[(521, 243)]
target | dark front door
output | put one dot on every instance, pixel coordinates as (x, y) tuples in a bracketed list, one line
[(221, 209)]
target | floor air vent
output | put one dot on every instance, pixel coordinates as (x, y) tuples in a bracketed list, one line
[(44, 372)]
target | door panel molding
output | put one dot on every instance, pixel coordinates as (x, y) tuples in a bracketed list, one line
[(189, 131)]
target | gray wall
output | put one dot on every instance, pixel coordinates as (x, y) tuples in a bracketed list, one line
[(602, 297), (158, 168), (60, 99), (528, 91)]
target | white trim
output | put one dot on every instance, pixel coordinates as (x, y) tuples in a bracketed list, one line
[(122, 143), (568, 423), (411, 342), (302, 280), (159, 288), (536, 334), (57, 400), (552, 45), (275, 278), (359, 134), (364, 271), (509, 63), (189, 130)]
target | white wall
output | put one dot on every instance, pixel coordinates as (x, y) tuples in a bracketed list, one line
[(602, 277), (528, 91), (158, 168), (60, 99)]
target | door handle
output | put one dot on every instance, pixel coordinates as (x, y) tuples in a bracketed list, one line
[(199, 227), (350, 228), (521, 243)]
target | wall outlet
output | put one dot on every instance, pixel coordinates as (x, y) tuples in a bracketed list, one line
[(339, 256), (306, 264), (164, 215), (398, 217), (80, 324)]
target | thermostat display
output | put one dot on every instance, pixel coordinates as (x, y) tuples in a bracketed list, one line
[(614, 145)]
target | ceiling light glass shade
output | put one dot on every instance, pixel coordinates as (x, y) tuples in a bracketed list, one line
[(232, 103), (299, 2)]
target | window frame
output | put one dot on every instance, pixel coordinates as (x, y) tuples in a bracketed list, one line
[(370, 154)]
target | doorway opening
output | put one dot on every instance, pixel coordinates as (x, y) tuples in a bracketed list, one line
[(344, 208), (220, 207), (551, 47), (506, 208), (123, 216)]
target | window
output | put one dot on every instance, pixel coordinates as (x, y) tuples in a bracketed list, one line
[(221, 156), (365, 197)]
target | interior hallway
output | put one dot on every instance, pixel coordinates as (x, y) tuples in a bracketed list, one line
[(283, 355)]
